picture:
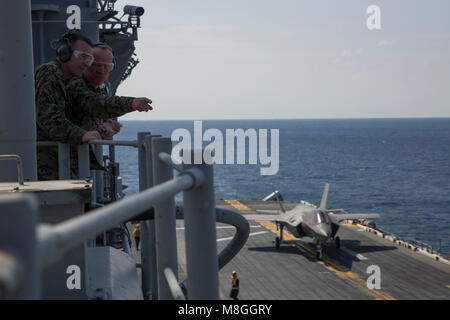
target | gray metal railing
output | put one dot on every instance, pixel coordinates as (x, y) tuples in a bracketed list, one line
[(157, 189), (19, 165)]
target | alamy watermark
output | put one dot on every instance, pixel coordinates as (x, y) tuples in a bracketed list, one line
[(74, 278), (374, 279), (374, 20), (219, 151)]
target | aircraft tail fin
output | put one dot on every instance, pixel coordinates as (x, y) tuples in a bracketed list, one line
[(323, 202), (278, 199)]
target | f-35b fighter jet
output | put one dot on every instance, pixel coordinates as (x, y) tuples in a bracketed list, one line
[(306, 220)]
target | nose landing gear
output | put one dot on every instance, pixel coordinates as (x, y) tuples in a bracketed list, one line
[(337, 240), (279, 239)]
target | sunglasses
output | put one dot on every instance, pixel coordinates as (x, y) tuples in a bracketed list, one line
[(86, 57)]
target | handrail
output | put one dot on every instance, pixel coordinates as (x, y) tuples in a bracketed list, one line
[(115, 143), (19, 165), (239, 239), (132, 143), (196, 180), (167, 159), (56, 239), (175, 288)]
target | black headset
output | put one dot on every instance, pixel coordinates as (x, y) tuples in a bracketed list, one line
[(63, 48), (104, 45)]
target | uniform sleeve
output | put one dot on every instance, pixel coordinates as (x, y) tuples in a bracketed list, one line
[(94, 104), (50, 109)]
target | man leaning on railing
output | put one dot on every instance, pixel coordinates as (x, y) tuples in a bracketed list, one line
[(87, 115), (74, 54)]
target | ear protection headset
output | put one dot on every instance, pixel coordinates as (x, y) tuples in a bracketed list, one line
[(104, 45), (63, 47)]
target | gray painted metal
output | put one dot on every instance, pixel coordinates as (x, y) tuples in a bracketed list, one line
[(63, 161), (167, 159), (145, 232), (17, 114), (83, 162), (238, 240), (172, 281), (149, 254), (57, 239), (112, 275), (165, 220), (20, 212), (115, 143), (201, 248), (18, 161)]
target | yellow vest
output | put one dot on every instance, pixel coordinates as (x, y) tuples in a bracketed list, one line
[(234, 283)]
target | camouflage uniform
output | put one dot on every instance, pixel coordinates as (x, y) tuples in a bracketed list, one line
[(56, 99), (51, 120), (88, 107)]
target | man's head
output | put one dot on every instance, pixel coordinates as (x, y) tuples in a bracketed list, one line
[(102, 66), (74, 52)]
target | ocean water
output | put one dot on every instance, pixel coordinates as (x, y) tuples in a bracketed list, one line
[(399, 168)]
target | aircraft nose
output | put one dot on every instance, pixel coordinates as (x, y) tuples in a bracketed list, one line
[(324, 231)]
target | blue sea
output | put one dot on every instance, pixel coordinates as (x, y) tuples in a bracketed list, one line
[(399, 168)]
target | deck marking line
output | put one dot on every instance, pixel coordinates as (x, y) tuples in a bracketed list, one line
[(251, 234), (326, 261), (272, 227), (353, 253)]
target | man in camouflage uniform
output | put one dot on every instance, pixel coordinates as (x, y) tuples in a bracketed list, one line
[(51, 95), (95, 118), (89, 116)]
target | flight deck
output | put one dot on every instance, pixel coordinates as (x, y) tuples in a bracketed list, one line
[(293, 272)]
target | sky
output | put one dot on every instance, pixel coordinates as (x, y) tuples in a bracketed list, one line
[(275, 59)]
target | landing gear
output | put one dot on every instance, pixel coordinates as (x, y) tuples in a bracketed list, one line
[(319, 254), (319, 251), (279, 239), (277, 242), (338, 242)]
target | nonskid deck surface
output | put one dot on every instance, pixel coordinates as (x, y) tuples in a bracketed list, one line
[(293, 272)]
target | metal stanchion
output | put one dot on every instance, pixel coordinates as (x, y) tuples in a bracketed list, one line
[(165, 220), (146, 269), (200, 233), (149, 244), (83, 162), (63, 161), (20, 277)]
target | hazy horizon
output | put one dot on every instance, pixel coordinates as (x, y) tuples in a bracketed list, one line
[(231, 119), (291, 59)]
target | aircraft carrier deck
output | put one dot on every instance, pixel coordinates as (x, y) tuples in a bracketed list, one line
[(293, 272)]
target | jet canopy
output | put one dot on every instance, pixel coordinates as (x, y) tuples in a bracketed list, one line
[(320, 217)]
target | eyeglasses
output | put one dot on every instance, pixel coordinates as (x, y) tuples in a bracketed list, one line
[(107, 65), (86, 57)]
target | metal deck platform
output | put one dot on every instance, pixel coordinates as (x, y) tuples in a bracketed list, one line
[(293, 272)]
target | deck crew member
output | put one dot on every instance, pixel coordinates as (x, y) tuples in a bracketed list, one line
[(137, 236), (234, 286)]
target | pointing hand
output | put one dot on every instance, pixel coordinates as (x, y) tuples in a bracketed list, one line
[(141, 104), (91, 135)]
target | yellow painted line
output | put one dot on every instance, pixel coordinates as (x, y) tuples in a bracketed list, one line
[(269, 225), (326, 261)]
